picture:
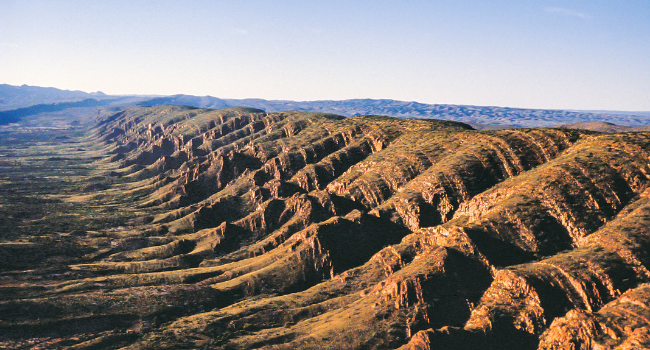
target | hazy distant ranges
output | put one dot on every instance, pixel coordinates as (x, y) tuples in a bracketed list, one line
[(18, 101), (475, 115)]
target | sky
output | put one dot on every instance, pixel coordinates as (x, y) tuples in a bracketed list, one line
[(554, 54)]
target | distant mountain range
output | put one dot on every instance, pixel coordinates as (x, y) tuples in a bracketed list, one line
[(15, 97), (474, 115)]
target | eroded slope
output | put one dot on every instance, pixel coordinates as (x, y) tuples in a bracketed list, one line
[(293, 230)]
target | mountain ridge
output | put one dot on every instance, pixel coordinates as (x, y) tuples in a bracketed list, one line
[(479, 116), (14, 97), (173, 227)]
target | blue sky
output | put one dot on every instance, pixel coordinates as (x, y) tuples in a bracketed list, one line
[(563, 54)]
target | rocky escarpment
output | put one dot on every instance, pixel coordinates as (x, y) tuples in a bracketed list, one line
[(296, 230), (620, 324)]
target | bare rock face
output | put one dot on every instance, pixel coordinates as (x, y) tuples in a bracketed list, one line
[(308, 231), (621, 324)]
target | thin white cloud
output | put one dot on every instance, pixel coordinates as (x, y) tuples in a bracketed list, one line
[(566, 12), (241, 31), (9, 45)]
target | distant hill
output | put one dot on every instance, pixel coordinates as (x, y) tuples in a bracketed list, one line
[(14, 97), (602, 127), (188, 100), (596, 126)]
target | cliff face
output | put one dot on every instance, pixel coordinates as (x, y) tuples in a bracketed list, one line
[(294, 230)]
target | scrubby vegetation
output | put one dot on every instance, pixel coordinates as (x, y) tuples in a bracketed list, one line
[(175, 227)]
